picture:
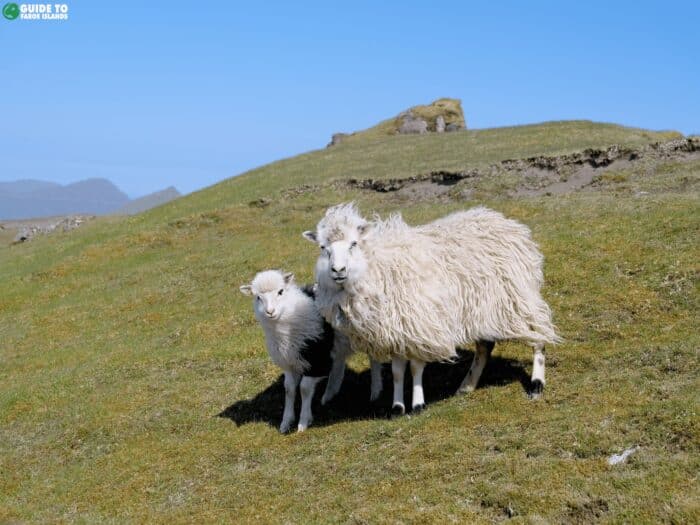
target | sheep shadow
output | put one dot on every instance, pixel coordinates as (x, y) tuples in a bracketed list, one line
[(440, 381)]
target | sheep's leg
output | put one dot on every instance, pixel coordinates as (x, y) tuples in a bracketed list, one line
[(307, 389), (291, 380), (418, 400), (481, 356), (537, 380), (398, 369), (335, 379), (375, 368)]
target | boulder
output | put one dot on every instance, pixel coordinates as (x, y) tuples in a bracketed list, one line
[(337, 138), (440, 124), (410, 124)]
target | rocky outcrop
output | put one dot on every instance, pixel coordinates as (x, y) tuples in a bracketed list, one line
[(27, 231), (442, 115)]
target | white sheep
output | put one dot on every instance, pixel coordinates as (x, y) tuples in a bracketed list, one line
[(417, 293), (298, 340)]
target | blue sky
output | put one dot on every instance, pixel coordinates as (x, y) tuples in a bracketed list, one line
[(189, 93)]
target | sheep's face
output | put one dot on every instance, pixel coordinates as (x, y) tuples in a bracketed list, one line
[(342, 261), (269, 290)]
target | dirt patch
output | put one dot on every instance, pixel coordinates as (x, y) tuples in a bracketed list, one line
[(542, 175)]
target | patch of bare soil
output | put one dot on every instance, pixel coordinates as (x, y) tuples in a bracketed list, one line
[(542, 175)]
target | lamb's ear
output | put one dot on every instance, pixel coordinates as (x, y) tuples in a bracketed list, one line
[(364, 229), (288, 277), (246, 289), (310, 236)]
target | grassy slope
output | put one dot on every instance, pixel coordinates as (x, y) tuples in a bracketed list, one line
[(121, 342)]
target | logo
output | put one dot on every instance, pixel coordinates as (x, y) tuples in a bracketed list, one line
[(35, 12), (10, 11)]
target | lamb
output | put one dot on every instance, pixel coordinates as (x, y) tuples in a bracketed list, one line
[(298, 340), (417, 293)]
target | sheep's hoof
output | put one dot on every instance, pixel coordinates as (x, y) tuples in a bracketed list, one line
[(418, 408), (536, 389), (301, 428), (285, 427), (397, 410)]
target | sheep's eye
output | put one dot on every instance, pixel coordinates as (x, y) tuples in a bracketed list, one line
[(280, 292), (353, 244), (258, 298)]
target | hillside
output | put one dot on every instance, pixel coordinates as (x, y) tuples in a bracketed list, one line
[(135, 385)]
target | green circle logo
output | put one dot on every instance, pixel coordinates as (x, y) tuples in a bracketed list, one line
[(10, 11)]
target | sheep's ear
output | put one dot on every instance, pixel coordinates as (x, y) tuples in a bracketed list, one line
[(363, 229), (288, 277), (246, 289), (310, 236)]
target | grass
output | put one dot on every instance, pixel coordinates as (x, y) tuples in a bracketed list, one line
[(135, 386)]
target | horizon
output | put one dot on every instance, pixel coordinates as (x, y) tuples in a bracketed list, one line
[(189, 101)]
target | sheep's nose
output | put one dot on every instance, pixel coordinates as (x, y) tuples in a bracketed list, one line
[(269, 312), (338, 270)]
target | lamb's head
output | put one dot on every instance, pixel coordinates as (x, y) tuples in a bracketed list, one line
[(272, 292), (341, 236)]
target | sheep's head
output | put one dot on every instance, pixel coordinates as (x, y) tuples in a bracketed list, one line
[(341, 236), (269, 290)]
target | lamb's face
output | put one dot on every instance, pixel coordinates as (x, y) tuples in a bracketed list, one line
[(342, 261), (270, 291)]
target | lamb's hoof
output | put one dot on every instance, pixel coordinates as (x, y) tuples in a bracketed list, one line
[(284, 429), (536, 389), (397, 410), (418, 408), (301, 427)]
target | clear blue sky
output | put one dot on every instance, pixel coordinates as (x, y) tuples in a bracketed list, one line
[(188, 93)]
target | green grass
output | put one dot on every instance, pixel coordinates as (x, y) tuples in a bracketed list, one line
[(123, 341)]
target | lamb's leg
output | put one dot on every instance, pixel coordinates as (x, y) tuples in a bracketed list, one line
[(537, 380), (291, 380), (375, 368), (481, 356), (418, 400), (335, 379), (398, 369), (307, 388)]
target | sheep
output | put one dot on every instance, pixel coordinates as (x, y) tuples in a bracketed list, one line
[(404, 293), (298, 340)]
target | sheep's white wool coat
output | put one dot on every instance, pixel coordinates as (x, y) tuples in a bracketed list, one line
[(472, 275)]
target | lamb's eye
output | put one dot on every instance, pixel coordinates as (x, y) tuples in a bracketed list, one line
[(258, 298), (353, 244), (280, 292)]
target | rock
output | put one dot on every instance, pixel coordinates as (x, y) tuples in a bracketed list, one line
[(616, 459), (410, 124), (453, 126), (262, 202), (440, 124), (65, 224), (337, 138)]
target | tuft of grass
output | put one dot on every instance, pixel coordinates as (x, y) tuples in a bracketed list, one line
[(135, 384)]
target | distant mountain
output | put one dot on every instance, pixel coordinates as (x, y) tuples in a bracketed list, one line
[(149, 201), (25, 199)]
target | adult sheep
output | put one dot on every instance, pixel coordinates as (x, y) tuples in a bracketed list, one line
[(417, 293)]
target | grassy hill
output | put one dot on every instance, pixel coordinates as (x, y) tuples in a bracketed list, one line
[(135, 385)]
